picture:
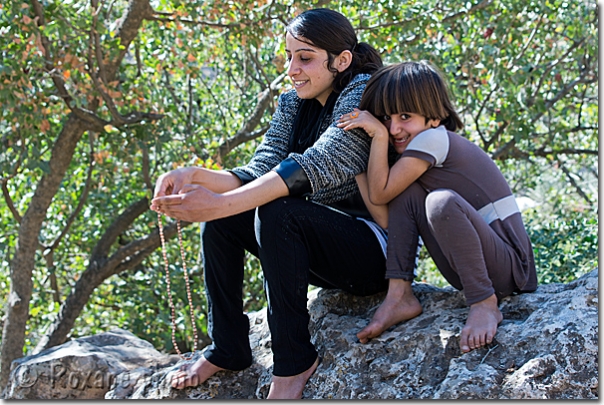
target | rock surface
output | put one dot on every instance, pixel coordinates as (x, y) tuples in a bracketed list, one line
[(83, 368), (545, 348)]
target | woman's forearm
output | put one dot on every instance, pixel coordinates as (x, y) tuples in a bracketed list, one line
[(218, 181), (264, 189)]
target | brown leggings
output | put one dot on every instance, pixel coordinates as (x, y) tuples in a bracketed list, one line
[(466, 250)]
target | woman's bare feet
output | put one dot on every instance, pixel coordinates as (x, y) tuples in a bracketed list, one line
[(481, 326), (399, 305), (291, 387), (194, 374)]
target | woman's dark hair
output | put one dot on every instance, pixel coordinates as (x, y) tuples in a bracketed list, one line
[(410, 87), (329, 30)]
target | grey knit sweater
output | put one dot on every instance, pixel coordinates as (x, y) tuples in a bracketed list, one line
[(331, 164)]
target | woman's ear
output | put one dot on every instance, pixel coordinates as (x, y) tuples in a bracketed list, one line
[(342, 61)]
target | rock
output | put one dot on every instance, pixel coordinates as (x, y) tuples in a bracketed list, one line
[(83, 368), (545, 348)]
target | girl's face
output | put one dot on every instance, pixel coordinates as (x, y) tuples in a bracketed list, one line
[(404, 127), (308, 69)]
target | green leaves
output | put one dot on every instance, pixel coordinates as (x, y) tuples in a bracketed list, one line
[(523, 75)]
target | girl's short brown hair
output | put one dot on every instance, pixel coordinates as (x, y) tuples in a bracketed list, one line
[(410, 87)]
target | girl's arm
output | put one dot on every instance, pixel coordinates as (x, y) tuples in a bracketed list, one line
[(378, 212), (384, 182)]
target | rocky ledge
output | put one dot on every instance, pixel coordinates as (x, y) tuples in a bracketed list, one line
[(545, 348)]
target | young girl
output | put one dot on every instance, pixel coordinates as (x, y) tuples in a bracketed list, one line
[(445, 189)]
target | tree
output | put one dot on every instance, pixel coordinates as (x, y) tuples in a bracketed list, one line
[(101, 97)]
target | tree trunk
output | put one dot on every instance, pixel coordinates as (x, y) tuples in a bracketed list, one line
[(21, 269)]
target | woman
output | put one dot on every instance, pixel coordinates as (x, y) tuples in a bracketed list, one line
[(295, 205)]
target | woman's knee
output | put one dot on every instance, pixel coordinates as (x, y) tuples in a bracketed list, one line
[(275, 217), (230, 232), (217, 228), (268, 216)]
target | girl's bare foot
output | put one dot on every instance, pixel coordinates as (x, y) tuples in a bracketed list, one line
[(399, 305), (291, 387), (481, 326), (194, 374)]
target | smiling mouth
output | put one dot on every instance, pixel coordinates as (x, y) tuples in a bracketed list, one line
[(400, 141), (298, 83)]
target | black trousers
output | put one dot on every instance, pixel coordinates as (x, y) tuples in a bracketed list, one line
[(298, 242)]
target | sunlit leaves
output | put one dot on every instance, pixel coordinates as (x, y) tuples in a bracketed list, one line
[(523, 75)]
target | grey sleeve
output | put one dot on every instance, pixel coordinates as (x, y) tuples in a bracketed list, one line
[(274, 147), (338, 155)]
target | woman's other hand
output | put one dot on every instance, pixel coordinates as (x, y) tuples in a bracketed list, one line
[(192, 203), (173, 181)]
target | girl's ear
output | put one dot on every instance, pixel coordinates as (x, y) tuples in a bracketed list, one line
[(434, 123), (342, 61)]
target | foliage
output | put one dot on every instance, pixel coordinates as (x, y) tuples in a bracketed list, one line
[(523, 74)]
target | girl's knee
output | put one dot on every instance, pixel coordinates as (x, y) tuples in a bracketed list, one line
[(409, 200), (441, 204)]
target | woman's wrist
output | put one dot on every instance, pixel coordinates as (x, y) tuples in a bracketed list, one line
[(197, 174)]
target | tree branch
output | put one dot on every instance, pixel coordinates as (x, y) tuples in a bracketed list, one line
[(479, 113), (544, 76), (502, 151), (574, 184), (137, 12), (479, 6), (566, 151), (246, 133), (120, 224), (98, 271), (9, 201)]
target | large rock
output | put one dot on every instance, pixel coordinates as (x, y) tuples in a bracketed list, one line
[(83, 368), (545, 348)]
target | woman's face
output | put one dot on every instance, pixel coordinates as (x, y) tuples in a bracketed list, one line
[(308, 69)]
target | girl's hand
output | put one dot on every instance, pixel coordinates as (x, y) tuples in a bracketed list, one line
[(365, 120)]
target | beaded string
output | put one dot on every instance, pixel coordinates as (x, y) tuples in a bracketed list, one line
[(184, 267)]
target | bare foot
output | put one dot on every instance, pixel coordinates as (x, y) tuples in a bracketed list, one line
[(399, 305), (481, 326), (194, 374), (291, 387)]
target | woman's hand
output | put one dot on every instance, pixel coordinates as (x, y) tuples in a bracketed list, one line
[(365, 120), (198, 203), (193, 203), (178, 183), (173, 182)]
